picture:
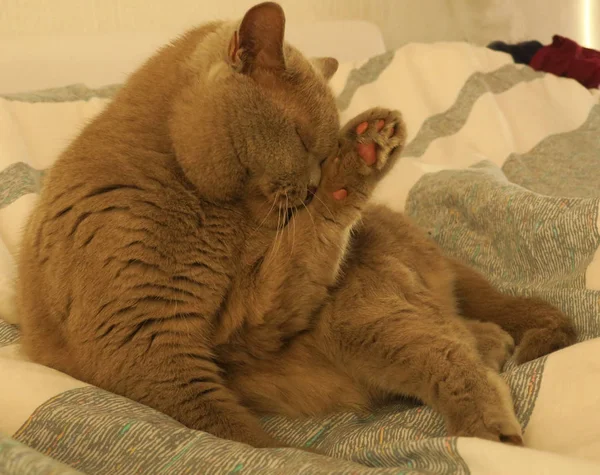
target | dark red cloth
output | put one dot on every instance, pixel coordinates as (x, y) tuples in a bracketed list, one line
[(564, 57)]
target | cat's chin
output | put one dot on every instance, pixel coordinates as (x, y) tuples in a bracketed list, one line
[(275, 211)]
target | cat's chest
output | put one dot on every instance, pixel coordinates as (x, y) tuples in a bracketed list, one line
[(204, 258)]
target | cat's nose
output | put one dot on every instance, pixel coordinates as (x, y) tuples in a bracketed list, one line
[(310, 194)]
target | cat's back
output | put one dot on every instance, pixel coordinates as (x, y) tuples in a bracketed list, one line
[(128, 142), (107, 235)]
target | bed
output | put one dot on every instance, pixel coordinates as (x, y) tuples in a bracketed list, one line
[(502, 167)]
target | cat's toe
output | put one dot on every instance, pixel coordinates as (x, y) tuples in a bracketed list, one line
[(503, 428), (368, 150), (498, 428)]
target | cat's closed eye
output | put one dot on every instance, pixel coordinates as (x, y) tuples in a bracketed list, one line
[(303, 140)]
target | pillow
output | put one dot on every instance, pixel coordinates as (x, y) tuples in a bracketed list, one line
[(34, 128)]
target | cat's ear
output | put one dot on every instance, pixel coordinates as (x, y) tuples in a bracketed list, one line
[(327, 66), (259, 40)]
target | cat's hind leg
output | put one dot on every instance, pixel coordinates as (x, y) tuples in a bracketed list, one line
[(495, 346), (299, 381), (172, 370), (537, 327), (413, 349)]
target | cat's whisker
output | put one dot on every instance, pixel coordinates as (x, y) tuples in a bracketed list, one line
[(341, 249), (264, 219), (284, 211), (323, 203), (310, 216), (274, 246), (286, 221), (293, 233)]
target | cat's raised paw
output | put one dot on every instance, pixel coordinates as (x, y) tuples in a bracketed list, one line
[(377, 136), (369, 144)]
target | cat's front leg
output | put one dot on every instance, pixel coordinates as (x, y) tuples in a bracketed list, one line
[(315, 239), (369, 146), (309, 251)]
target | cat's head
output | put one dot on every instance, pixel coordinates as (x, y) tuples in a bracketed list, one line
[(257, 118)]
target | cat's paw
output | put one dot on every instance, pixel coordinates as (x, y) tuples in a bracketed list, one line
[(492, 417), (538, 342), (374, 139), (497, 428), (369, 145), (493, 343), (540, 328)]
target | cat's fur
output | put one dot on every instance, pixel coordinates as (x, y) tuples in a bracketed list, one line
[(163, 261)]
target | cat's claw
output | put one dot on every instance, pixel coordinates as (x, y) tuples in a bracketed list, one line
[(512, 440)]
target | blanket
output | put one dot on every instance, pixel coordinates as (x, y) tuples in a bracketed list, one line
[(502, 167)]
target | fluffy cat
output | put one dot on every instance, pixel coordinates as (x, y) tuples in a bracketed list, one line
[(205, 247)]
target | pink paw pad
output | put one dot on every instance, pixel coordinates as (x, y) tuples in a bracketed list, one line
[(340, 194), (367, 151)]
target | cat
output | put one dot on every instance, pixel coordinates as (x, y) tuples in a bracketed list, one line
[(206, 247)]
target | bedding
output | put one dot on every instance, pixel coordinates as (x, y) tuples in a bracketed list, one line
[(502, 167)]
